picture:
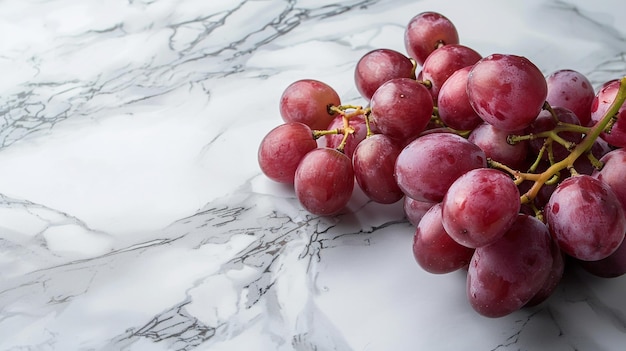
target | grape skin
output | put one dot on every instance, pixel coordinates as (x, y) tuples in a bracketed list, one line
[(494, 143), (324, 181), (377, 67), (282, 149), (425, 32), (307, 101), (415, 209), (572, 90), (506, 91), (373, 162), (601, 103), (453, 103), (612, 173), (585, 218), (401, 108), (434, 250), (428, 165), (504, 276), (480, 206), (443, 62)]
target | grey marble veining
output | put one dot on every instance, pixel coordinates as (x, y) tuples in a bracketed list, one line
[(133, 215)]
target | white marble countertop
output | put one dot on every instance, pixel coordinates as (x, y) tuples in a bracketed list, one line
[(133, 214)]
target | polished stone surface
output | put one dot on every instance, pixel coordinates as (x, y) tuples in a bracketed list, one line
[(133, 215)]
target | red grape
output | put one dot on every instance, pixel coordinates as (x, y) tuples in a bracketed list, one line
[(378, 66), (600, 105), (480, 206), (426, 32), (282, 149), (612, 173), (572, 90), (324, 181), (494, 143), (307, 101), (609, 267), (434, 250), (415, 209), (504, 276), (443, 62), (586, 218), (507, 91), (428, 165), (554, 278), (373, 163), (401, 108), (454, 107)]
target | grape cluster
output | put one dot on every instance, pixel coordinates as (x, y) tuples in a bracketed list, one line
[(448, 132)]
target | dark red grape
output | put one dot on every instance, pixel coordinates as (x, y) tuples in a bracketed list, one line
[(443, 62), (434, 250), (324, 181), (600, 105), (613, 173), (428, 165), (610, 267), (545, 122), (401, 108), (426, 32), (373, 162), (454, 107), (282, 149), (504, 276), (572, 90), (307, 101), (480, 206), (493, 142), (507, 91), (378, 66), (585, 218)]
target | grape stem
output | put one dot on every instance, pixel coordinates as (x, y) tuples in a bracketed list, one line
[(346, 112), (583, 147)]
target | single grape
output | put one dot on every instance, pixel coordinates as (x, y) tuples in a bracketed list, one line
[(610, 267), (493, 142), (324, 181), (415, 209), (401, 108), (572, 90), (426, 32), (373, 162), (504, 276), (434, 250), (307, 101), (378, 66), (600, 105), (586, 218), (480, 206), (506, 91), (282, 149), (545, 122), (360, 131), (453, 104), (428, 165), (613, 172), (599, 148), (443, 62)]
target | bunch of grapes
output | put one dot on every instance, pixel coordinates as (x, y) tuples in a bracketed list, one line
[(448, 132)]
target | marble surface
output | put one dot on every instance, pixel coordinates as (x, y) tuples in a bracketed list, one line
[(133, 215)]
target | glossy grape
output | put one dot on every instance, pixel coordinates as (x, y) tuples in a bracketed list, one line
[(453, 103), (443, 62), (480, 206), (609, 267), (613, 173), (415, 209), (434, 250), (401, 108), (307, 101), (282, 149), (494, 143), (504, 276), (373, 162), (553, 279), (426, 32), (586, 218), (427, 166), (572, 90), (506, 91), (324, 181), (377, 67), (600, 105)]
